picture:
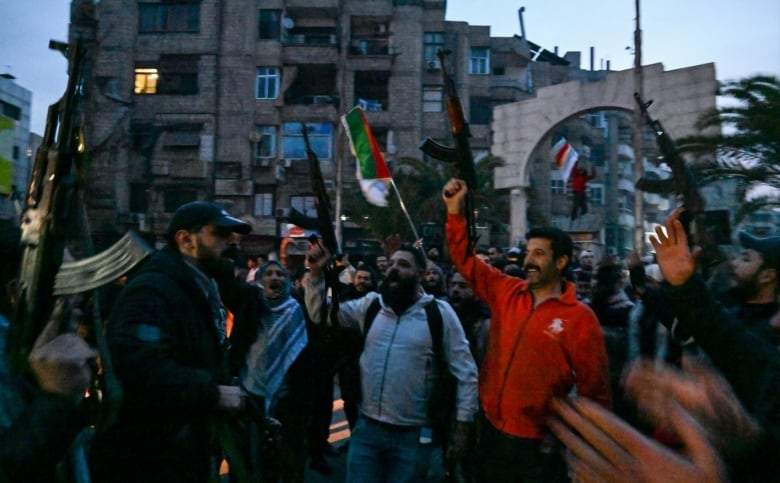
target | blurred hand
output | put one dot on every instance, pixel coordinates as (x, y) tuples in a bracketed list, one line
[(700, 390), (453, 194), (603, 447), (62, 364), (675, 259)]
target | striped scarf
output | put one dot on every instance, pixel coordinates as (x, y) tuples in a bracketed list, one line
[(280, 340)]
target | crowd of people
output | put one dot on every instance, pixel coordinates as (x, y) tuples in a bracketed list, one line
[(540, 362)]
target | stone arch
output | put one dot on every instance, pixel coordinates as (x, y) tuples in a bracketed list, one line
[(679, 97)]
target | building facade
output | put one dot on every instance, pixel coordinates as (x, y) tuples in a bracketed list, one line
[(16, 145)]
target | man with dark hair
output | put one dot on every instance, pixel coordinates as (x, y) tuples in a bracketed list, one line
[(168, 342), (399, 370), (542, 344), (754, 284)]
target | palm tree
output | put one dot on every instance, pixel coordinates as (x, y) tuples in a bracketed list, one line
[(747, 145), (420, 185)]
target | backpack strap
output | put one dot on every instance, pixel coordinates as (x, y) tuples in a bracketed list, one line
[(436, 327), (371, 313)]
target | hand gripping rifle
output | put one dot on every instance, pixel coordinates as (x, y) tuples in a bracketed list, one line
[(460, 155), (325, 224), (682, 182)]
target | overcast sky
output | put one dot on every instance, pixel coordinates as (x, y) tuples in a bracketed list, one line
[(742, 38)]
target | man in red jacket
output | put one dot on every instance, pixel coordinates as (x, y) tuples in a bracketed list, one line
[(542, 343), (579, 189)]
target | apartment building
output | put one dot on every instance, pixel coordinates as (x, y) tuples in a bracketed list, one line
[(205, 99), (16, 144)]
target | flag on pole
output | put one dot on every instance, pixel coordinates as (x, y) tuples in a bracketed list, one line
[(565, 157), (372, 171)]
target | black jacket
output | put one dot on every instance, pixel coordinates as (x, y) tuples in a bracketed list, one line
[(168, 357)]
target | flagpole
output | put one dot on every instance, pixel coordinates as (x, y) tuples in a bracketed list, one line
[(403, 208)]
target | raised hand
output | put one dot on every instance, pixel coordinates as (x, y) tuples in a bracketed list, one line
[(675, 259), (603, 447), (453, 194), (62, 364)]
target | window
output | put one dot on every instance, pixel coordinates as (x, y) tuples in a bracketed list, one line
[(267, 85), (171, 75), (264, 202), (269, 25), (479, 61), (304, 204), (372, 89), (557, 187), (432, 43), (480, 110), (168, 17), (138, 202), (596, 194), (432, 98), (319, 137), (7, 109), (266, 142), (174, 198)]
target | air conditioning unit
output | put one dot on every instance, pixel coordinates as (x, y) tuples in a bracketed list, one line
[(380, 28), (263, 162), (433, 65), (254, 137)]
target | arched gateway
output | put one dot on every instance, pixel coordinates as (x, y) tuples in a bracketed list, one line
[(679, 97)]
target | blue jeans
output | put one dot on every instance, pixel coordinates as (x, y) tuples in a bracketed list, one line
[(386, 453)]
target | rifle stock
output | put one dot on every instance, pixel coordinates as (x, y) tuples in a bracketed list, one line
[(460, 155)]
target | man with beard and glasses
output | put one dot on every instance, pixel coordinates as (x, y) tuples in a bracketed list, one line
[(542, 344), (754, 285), (167, 338), (393, 438)]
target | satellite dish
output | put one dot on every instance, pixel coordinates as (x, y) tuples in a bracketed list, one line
[(287, 23)]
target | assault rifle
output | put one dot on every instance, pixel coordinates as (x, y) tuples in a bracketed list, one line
[(682, 181), (325, 223), (460, 155), (49, 208), (53, 207)]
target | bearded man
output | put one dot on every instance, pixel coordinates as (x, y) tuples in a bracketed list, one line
[(167, 338), (754, 275), (392, 440), (542, 344)]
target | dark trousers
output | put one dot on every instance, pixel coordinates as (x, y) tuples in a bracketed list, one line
[(505, 458), (579, 205)]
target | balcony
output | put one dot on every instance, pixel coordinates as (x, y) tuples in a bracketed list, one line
[(306, 7)]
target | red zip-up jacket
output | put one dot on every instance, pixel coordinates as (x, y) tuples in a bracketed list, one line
[(533, 354)]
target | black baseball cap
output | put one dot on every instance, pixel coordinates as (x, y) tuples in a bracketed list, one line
[(200, 213), (768, 247)]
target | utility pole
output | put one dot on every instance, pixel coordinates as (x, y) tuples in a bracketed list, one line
[(639, 231)]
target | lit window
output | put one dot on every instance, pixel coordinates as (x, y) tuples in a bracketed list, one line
[(266, 143), (479, 61), (432, 99), (146, 81), (267, 85)]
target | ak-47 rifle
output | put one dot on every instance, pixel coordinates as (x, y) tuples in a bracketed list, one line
[(460, 155), (53, 206), (682, 181), (50, 206), (324, 222)]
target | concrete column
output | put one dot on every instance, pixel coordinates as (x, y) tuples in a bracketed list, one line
[(518, 199)]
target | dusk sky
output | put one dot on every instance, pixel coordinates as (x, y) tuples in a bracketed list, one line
[(741, 38)]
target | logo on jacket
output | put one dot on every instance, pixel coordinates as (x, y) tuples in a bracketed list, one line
[(555, 328)]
